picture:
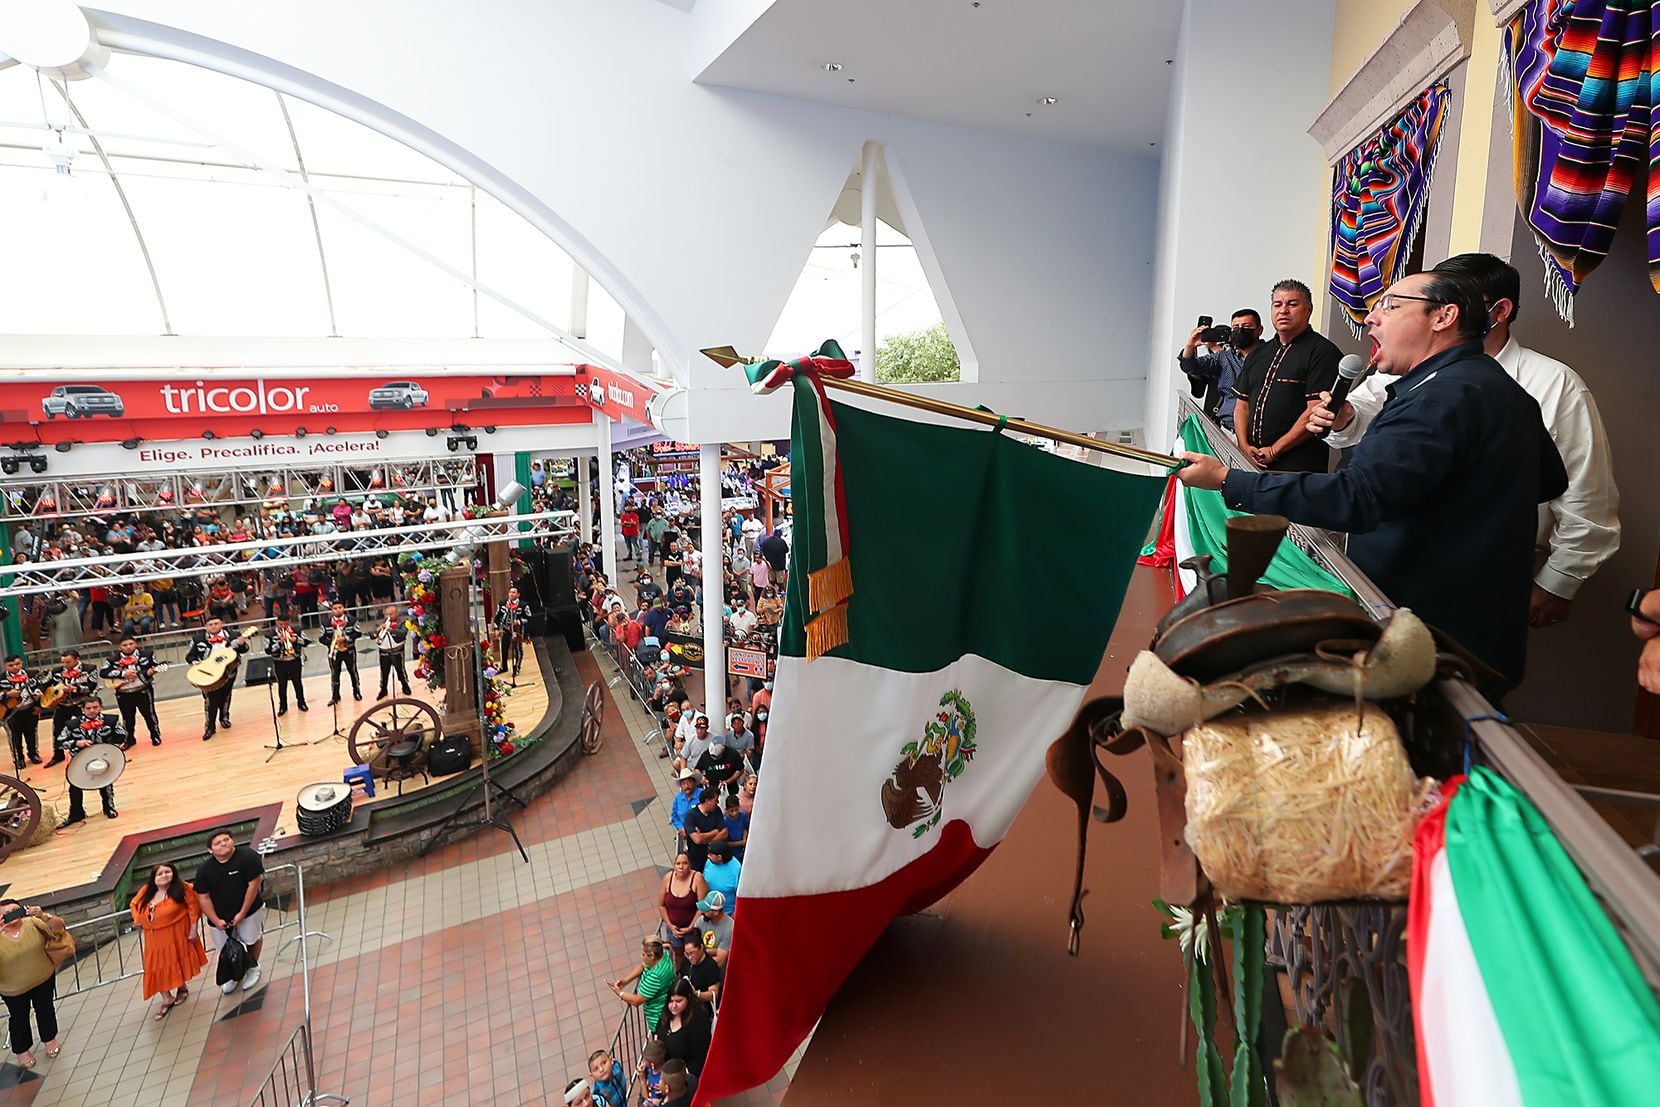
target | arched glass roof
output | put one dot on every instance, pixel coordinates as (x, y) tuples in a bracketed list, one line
[(139, 206)]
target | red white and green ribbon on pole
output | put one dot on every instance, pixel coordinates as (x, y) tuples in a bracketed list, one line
[(820, 550)]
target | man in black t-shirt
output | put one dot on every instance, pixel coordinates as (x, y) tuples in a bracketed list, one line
[(1280, 381), (704, 824), (227, 887)]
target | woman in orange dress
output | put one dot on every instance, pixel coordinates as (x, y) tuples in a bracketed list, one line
[(167, 911)]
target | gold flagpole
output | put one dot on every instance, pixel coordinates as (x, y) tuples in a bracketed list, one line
[(727, 357)]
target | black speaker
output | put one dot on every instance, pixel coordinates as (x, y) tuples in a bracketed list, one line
[(556, 579), (258, 670), (568, 621), (449, 755)]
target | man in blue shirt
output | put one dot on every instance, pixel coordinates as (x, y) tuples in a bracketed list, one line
[(1212, 375), (1441, 496), (684, 800), (721, 871)]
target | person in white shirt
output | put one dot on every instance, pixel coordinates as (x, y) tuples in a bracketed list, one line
[(742, 620), (1580, 529)]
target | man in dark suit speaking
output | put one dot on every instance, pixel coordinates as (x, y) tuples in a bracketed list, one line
[(1441, 497)]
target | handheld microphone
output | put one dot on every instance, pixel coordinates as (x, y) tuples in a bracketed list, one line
[(1349, 370)]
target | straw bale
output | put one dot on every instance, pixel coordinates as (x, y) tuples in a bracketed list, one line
[(1305, 805)]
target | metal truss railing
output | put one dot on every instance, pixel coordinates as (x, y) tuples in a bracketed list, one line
[(1622, 881), (76, 497), (276, 553)]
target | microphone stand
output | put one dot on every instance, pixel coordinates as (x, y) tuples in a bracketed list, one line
[(335, 732), (276, 727)]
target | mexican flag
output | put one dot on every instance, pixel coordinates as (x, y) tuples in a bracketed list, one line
[(951, 593), (1523, 994)]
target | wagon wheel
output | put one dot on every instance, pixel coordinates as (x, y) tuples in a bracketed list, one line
[(593, 717), (19, 815), (386, 725)]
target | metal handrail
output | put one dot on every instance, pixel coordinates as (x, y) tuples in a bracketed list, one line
[(1628, 889)]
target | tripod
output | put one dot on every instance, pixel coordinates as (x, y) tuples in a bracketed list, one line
[(336, 732)]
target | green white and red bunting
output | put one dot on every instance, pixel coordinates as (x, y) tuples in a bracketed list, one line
[(1522, 993), (898, 757)]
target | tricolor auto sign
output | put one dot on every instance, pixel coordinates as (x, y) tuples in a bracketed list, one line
[(114, 409)]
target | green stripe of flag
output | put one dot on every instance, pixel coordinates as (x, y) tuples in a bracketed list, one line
[(966, 541), (1581, 1025)]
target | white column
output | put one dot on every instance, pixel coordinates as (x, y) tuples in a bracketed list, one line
[(714, 636), (579, 301), (607, 497), (584, 492), (867, 261)]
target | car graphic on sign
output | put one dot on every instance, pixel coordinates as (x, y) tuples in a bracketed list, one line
[(82, 401), (398, 394)]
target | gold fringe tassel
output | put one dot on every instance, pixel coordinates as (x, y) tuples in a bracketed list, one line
[(830, 585), (826, 631)]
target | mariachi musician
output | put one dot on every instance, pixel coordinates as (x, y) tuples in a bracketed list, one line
[(21, 694), (390, 636), (216, 702), (90, 727), (286, 646), (340, 635), (68, 684), (132, 672), (512, 620)]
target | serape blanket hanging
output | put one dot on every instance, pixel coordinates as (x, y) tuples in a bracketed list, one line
[(1582, 83), (1378, 195)]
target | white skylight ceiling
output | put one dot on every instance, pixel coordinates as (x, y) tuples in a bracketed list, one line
[(236, 252)]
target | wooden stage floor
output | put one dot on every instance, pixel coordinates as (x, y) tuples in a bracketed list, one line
[(185, 778)]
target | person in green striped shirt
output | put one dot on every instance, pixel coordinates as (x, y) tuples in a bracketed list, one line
[(655, 974)]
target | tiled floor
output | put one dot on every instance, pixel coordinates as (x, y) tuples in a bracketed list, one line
[(465, 978)]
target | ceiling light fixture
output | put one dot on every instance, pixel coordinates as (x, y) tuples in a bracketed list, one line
[(208, 436), (256, 434), (37, 464), (131, 443), (381, 433), (328, 430), (832, 67), (299, 432), (1048, 101), (432, 432)]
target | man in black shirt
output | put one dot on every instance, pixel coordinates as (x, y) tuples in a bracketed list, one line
[(1441, 496), (704, 824), (1281, 380), (720, 765), (227, 888)]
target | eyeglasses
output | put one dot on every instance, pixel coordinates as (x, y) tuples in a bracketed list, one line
[(1387, 302)]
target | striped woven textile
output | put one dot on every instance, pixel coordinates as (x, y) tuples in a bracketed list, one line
[(1582, 81), (1378, 196)]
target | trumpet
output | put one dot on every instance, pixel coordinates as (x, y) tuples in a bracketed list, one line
[(342, 643)]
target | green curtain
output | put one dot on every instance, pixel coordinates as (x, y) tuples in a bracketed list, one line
[(1207, 520)]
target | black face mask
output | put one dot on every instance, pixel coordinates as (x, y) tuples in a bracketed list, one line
[(1242, 337)]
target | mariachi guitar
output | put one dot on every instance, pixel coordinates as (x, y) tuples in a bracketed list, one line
[(14, 701), (219, 666), (137, 683)]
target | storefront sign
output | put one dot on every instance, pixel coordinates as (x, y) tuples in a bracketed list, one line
[(687, 649), (158, 410), (674, 449)]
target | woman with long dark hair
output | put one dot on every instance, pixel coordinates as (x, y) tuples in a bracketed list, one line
[(685, 1026), (167, 910)]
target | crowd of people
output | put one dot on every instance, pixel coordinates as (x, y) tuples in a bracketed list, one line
[(715, 756)]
